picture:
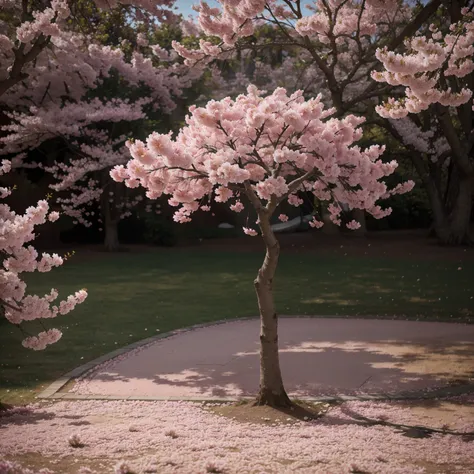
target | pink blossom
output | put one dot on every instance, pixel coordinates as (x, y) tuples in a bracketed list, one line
[(249, 231), (294, 200), (43, 339), (315, 223), (17, 231), (353, 225), (237, 207), (451, 53), (272, 186), (53, 216), (6, 167)]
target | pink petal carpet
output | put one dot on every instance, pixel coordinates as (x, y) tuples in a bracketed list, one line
[(183, 437)]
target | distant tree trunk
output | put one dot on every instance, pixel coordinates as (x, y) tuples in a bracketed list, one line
[(428, 175), (461, 214), (462, 177), (440, 217), (271, 391), (452, 188), (111, 240)]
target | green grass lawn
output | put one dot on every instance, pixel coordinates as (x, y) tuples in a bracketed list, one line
[(133, 295)]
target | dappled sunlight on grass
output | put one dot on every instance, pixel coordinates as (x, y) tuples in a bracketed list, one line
[(379, 289), (418, 299), (331, 298)]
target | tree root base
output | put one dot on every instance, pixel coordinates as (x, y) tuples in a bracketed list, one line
[(272, 399)]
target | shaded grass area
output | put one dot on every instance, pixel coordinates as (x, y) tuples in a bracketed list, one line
[(135, 295)]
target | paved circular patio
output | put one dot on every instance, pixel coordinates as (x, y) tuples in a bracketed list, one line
[(319, 356)]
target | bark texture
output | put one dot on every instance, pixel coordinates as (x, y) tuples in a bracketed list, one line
[(271, 391), (461, 214)]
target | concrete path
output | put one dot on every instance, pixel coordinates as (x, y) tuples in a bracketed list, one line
[(319, 356)]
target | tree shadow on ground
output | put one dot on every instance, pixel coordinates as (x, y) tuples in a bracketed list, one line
[(23, 416), (310, 369), (408, 430)]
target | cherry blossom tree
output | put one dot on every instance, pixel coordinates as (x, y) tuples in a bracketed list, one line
[(335, 44), (437, 72), (328, 50), (260, 151), (30, 28), (89, 90), (86, 131), (16, 306)]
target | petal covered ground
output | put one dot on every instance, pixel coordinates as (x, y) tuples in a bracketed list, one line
[(186, 437)]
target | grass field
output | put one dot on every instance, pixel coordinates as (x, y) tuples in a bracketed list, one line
[(134, 295)]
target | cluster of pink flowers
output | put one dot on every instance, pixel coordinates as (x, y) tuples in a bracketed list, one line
[(232, 21), (269, 148), (15, 231), (353, 225), (43, 339), (315, 223), (343, 19), (251, 232), (29, 130), (239, 19), (44, 22), (430, 141), (419, 70), (48, 27), (85, 193)]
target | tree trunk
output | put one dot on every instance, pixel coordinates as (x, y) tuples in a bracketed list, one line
[(108, 210), (461, 215), (271, 391), (111, 240), (441, 226), (440, 218), (452, 188)]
